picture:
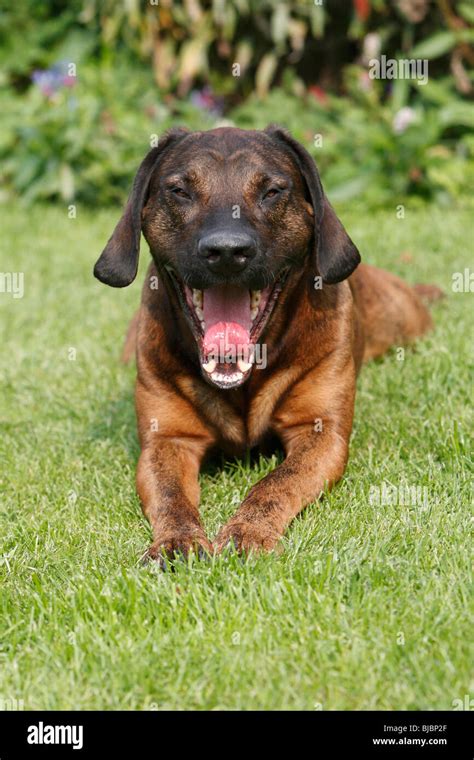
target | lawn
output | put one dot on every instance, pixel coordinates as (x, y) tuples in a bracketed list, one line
[(366, 607)]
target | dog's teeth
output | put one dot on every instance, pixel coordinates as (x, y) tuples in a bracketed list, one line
[(197, 297), (243, 365), (210, 366), (253, 313), (255, 297), (199, 313), (203, 325), (220, 378)]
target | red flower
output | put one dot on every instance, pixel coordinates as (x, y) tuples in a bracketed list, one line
[(362, 9), (318, 93)]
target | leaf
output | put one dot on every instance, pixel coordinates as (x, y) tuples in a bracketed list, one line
[(436, 92), (317, 21), (66, 182), (28, 169), (467, 11), (297, 33), (350, 189), (279, 23), (457, 114), (400, 92), (265, 73), (192, 60), (164, 62), (435, 46), (243, 54)]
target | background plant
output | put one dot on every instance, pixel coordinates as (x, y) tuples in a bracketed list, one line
[(142, 67)]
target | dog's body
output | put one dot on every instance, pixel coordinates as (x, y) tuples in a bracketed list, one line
[(284, 277)]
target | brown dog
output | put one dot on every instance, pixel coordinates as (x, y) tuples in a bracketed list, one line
[(253, 324)]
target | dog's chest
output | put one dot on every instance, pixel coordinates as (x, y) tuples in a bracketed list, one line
[(241, 418)]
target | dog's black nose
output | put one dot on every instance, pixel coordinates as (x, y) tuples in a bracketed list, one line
[(227, 252)]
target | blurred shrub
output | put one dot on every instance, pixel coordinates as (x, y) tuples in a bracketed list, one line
[(84, 142), (142, 67), (196, 42), (373, 152)]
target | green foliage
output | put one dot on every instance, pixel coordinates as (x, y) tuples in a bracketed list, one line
[(85, 143), (193, 42), (86, 146), (142, 68), (364, 149)]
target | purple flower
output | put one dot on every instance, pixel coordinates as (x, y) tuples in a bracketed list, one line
[(207, 101), (49, 81)]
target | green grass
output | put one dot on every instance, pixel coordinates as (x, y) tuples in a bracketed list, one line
[(366, 607)]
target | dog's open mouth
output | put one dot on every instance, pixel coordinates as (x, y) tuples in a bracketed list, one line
[(227, 321)]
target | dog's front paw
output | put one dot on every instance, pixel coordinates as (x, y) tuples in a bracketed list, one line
[(170, 546), (247, 537)]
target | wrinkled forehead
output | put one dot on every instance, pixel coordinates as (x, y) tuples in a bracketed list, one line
[(228, 155)]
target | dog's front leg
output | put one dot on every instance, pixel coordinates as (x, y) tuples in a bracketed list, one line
[(316, 456), (263, 516), (173, 446)]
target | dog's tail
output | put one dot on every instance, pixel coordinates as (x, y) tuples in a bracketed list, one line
[(429, 293), (130, 344)]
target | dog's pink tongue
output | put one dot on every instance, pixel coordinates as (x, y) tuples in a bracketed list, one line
[(227, 317)]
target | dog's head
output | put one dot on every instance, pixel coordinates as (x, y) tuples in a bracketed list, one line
[(227, 214)]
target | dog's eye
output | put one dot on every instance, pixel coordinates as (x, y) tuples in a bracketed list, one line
[(272, 192), (181, 193)]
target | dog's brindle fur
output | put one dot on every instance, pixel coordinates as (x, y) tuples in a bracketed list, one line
[(316, 338)]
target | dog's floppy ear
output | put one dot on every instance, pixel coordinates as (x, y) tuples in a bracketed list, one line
[(336, 254), (118, 262)]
